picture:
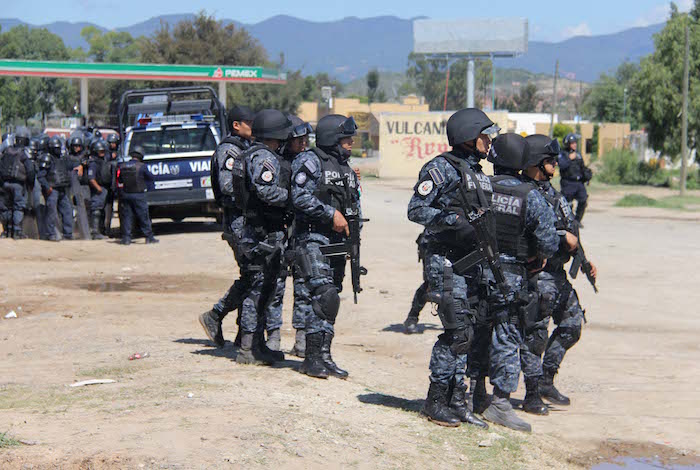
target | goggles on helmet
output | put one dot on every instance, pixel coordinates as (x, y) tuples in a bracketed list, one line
[(348, 127), (491, 131), (301, 130)]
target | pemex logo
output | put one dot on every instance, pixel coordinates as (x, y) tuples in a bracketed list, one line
[(218, 73)]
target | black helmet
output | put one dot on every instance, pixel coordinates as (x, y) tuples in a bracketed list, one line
[(113, 139), (22, 136), (541, 148), (467, 124), (34, 147), (97, 146), (300, 128), (97, 134), (137, 153), (333, 127), (238, 114), (43, 143), (55, 146), (271, 124), (569, 139), (75, 141), (510, 151)]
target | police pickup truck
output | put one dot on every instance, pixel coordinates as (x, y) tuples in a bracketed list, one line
[(179, 129)]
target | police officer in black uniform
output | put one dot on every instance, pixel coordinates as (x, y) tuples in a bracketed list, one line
[(574, 175), (55, 178), (99, 177), (17, 174), (113, 142), (132, 178), (240, 122)]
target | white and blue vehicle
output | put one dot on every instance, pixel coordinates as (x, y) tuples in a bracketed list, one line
[(179, 129)]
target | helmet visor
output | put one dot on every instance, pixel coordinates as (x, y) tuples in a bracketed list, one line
[(348, 127), (302, 129), (553, 147), (491, 131)]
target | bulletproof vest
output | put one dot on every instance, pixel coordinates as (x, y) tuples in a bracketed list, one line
[(241, 189), (272, 215), (574, 171), (58, 175), (509, 206), (129, 178), (561, 209), (471, 199), (330, 189), (214, 169), (103, 172), (12, 165)]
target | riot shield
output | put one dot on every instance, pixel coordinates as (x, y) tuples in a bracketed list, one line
[(31, 224), (81, 218)]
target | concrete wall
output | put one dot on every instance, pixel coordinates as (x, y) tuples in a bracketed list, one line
[(408, 140)]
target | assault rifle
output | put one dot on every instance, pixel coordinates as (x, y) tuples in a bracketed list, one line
[(581, 263), (350, 247)]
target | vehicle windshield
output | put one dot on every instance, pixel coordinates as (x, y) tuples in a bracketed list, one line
[(174, 140)]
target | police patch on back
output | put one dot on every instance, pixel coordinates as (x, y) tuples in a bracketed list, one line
[(506, 204)]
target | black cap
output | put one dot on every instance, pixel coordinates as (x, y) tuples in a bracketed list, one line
[(239, 113)]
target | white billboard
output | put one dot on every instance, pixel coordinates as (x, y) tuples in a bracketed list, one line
[(477, 37)]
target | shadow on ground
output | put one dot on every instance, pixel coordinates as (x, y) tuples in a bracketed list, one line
[(391, 401), (164, 227), (420, 328)]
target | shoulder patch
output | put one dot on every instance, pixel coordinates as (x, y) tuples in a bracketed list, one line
[(437, 175), (300, 178), (229, 163), (425, 188), (266, 176), (310, 165), (269, 165)]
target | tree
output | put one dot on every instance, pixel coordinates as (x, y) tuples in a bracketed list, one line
[(526, 100), (656, 91), (605, 102), (374, 94), (312, 84)]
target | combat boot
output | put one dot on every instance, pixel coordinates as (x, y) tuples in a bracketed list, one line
[(411, 323), (533, 402), (478, 399), (328, 359), (125, 241), (237, 341), (94, 226), (150, 240), (549, 392), (299, 348), (435, 407), (313, 365), (458, 405), (250, 351), (500, 411), (272, 347), (18, 235), (211, 323)]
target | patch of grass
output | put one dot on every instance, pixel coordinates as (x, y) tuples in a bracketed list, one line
[(687, 203), (7, 441)]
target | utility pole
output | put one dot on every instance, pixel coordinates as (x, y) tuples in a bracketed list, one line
[(684, 128), (554, 101)]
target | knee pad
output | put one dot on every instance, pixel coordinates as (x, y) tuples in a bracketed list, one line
[(326, 303), (569, 336), (537, 342)]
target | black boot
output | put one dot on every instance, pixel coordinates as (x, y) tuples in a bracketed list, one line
[(411, 323), (211, 323), (478, 399), (500, 411), (272, 346), (18, 235), (458, 405), (313, 365), (436, 409), (549, 392), (332, 367), (94, 225), (150, 240), (125, 241), (250, 351), (533, 402), (299, 348)]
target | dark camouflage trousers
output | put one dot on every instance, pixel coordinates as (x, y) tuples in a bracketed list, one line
[(302, 302), (567, 315)]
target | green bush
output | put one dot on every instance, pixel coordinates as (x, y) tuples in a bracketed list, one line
[(620, 166)]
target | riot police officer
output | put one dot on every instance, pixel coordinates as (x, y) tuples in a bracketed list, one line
[(574, 175), (526, 238), (320, 199), (420, 297), (99, 177), (452, 188), (240, 122), (55, 179), (132, 178), (261, 192), (113, 141), (558, 298), (33, 148), (17, 174)]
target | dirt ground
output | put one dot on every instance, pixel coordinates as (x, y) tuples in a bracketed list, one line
[(85, 307)]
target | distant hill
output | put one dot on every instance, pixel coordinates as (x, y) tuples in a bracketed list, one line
[(349, 48)]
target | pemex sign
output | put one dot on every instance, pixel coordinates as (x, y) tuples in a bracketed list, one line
[(185, 73)]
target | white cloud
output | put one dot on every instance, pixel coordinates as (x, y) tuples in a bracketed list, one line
[(579, 30), (661, 13)]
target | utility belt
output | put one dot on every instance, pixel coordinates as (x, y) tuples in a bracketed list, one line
[(266, 226), (573, 179), (312, 227), (523, 311)]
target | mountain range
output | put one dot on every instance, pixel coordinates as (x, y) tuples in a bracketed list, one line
[(348, 48)]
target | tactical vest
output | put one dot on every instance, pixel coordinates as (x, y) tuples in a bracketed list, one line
[(58, 175), (214, 171), (129, 177), (330, 188), (561, 209), (509, 205), (12, 165), (574, 172), (103, 172)]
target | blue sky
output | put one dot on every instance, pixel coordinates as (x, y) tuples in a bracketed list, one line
[(549, 20)]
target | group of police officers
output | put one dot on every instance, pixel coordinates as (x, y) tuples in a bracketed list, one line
[(54, 180), (493, 251)]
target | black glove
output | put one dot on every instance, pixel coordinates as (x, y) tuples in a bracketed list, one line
[(461, 339), (465, 235)]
